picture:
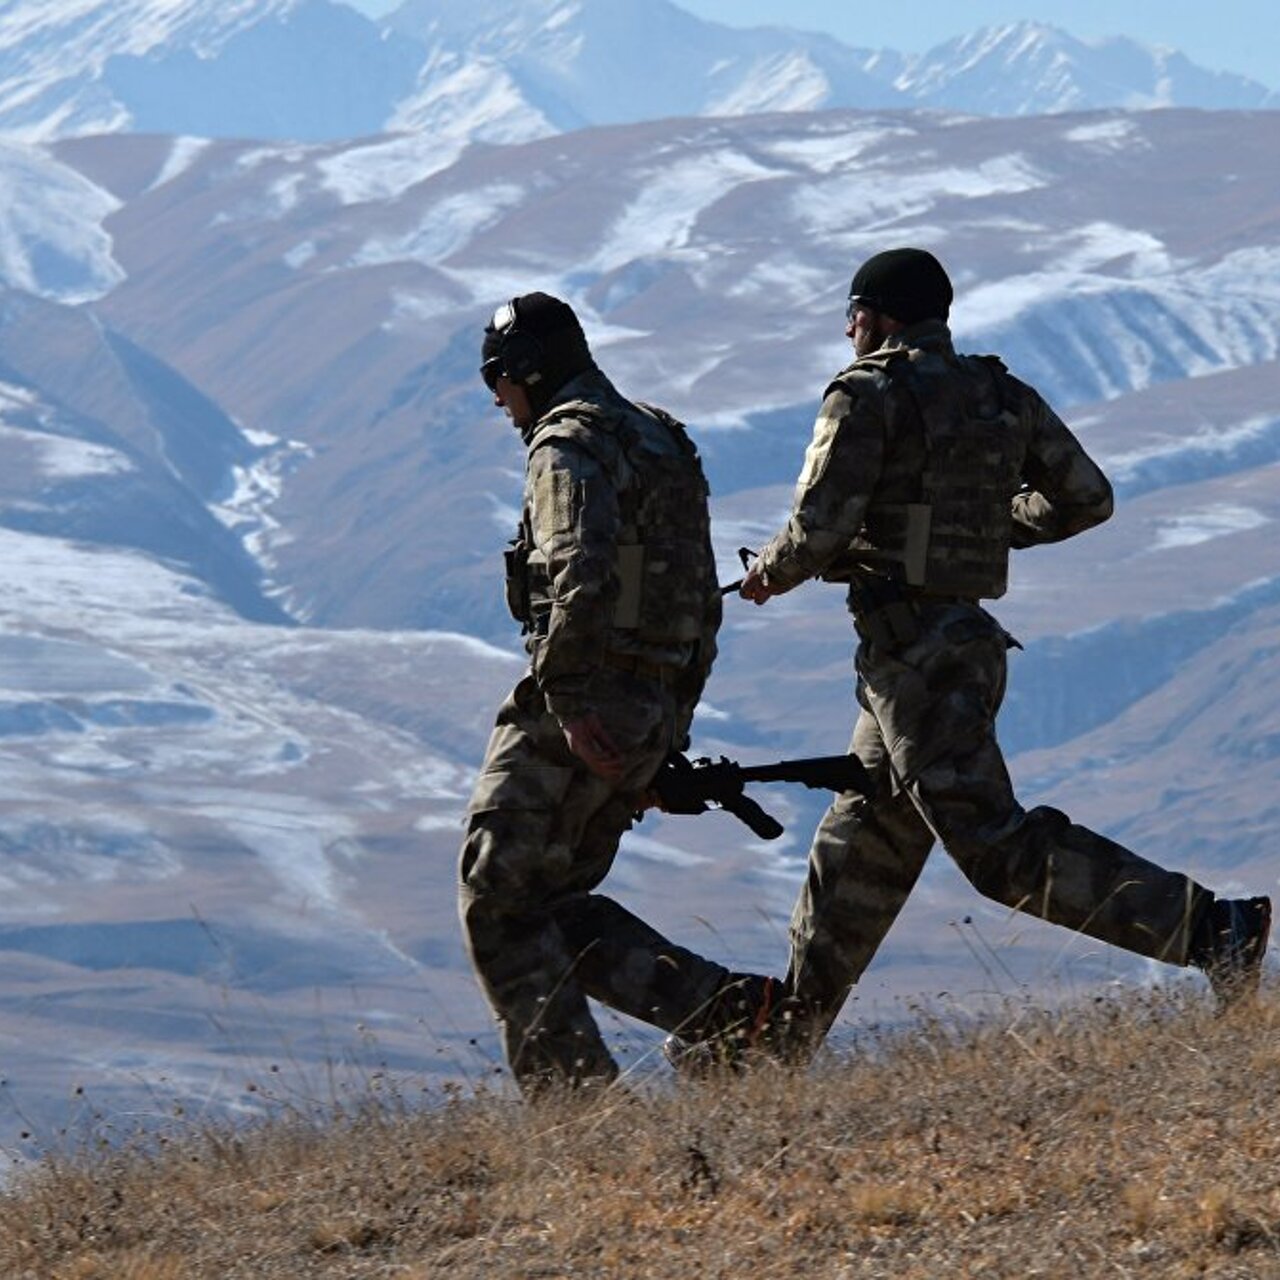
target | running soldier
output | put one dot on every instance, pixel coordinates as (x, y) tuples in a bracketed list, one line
[(925, 469), (613, 580)]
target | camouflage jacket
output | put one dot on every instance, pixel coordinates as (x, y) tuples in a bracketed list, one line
[(615, 505), (857, 464)]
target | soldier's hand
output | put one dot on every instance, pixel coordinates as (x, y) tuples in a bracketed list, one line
[(590, 742), (754, 586)]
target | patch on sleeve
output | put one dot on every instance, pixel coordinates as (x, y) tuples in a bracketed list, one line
[(555, 501)]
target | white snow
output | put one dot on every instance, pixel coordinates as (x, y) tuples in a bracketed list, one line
[(300, 254), (286, 194), (294, 838), (1117, 134), (1086, 260), (85, 589), (417, 306), (444, 227), (64, 457), (256, 488), (670, 199), (824, 152), (786, 81), (1206, 523), (466, 98), (183, 153), (52, 241), (856, 202), (1206, 442), (384, 170), (659, 851), (53, 53)]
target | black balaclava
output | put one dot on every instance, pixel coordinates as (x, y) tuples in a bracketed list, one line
[(535, 340), (909, 285)]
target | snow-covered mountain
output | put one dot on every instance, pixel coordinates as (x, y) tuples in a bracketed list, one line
[(254, 500), (239, 384), (491, 71), (1026, 68), (331, 295), (52, 55)]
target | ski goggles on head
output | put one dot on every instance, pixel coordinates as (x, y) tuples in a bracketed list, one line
[(499, 327)]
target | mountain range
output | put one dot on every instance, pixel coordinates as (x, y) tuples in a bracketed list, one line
[(486, 70), (255, 497)]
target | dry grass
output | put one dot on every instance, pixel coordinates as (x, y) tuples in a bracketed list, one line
[(1132, 1138)]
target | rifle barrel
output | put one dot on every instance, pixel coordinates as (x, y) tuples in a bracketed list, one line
[(831, 773)]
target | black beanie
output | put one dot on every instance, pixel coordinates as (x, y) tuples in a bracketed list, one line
[(907, 284), (535, 340)]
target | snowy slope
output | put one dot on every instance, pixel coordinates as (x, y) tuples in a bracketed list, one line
[(227, 834), (52, 55), (1101, 254), (1025, 68), (202, 826), (52, 241)]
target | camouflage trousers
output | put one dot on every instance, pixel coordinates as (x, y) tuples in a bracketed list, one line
[(542, 834), (927, 733)]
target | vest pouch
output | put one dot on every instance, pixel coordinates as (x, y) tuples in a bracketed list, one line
[(882, 615), (516, 582), (630, 565)]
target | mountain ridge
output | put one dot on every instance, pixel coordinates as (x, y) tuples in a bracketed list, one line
[(317, 70)]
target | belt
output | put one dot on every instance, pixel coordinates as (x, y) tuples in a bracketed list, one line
[(633, 664)]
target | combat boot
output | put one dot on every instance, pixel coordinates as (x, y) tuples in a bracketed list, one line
[(1230, 944), (727, 1029), (751, 1019)]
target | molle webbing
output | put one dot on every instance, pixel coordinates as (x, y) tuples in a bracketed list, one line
[(664, 563), (954, 538)]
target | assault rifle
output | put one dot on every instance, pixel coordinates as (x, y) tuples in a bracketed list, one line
[(692, 786)]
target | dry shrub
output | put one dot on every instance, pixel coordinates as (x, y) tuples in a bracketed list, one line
[(1129, 1136)]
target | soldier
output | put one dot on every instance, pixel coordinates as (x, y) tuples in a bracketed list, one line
[(612, 578), (925, 468)]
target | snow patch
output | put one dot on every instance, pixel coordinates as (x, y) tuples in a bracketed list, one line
[(883, 198), (786, 81), (825, 153), (184, 152), (1217, 521), (385, 170), (52, 242), (444, 227), (66, 458), (1106, 135), (662, 218), (300, 255), (659, 851)]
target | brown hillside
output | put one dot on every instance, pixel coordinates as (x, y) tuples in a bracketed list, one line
[(1136, 1137)]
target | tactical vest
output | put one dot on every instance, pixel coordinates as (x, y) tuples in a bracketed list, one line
[(953, 538), (663, 561)]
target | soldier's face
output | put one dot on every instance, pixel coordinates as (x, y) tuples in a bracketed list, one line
[(866, 330), (513, 400)]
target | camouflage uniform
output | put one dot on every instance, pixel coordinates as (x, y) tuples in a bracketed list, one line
[(613, 577), (924, 469)]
